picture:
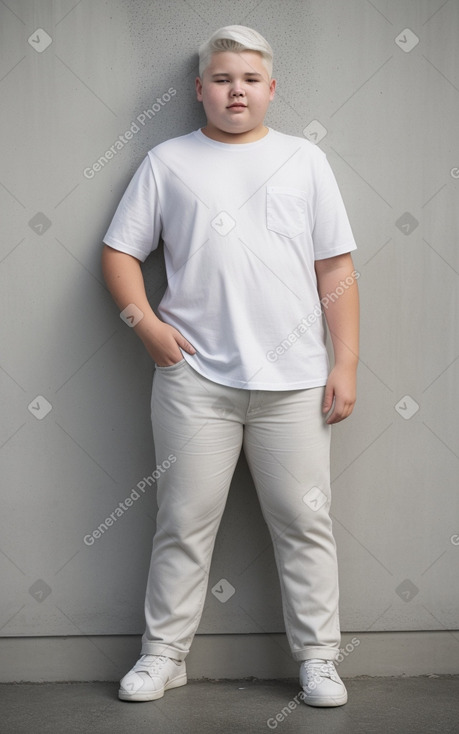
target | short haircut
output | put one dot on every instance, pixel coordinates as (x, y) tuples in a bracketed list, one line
[(235, 38)]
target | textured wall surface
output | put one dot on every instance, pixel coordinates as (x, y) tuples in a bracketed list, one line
[(376, 85)]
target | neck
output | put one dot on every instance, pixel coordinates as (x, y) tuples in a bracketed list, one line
[(221, 136)]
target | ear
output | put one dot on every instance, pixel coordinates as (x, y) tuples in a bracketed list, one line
[(198, 85), (272, 89)]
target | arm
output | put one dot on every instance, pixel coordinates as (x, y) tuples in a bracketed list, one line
[(337, 285), (124, 279)]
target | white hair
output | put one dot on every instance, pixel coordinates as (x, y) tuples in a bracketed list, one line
[(235, 38)]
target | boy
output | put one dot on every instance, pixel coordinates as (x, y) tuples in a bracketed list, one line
[(256, 238)]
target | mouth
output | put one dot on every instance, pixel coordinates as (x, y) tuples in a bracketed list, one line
[(237, 106)]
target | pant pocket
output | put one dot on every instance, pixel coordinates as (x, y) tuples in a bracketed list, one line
[(171, 367)]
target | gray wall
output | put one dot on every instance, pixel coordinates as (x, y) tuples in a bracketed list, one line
[(376, 85)]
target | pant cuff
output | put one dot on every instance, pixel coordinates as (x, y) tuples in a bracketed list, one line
[(321, 652), (159, 648)]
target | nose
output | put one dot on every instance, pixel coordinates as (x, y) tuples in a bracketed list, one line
[(237, 91)]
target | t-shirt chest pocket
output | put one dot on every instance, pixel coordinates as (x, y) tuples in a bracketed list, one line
[(286, 210)]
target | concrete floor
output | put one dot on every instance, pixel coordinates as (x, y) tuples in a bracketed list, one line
[(376, 706)]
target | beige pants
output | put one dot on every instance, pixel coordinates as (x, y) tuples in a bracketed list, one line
[(203, 425)]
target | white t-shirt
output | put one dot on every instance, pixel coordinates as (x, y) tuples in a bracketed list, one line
[(242, 225)]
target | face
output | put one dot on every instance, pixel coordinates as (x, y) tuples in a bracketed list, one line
[(235, 90)]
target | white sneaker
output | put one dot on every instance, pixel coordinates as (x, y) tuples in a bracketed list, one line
[(150, 677), (321, 684)]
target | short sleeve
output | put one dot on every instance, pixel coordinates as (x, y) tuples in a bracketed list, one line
[(136, 225), (332, 233)]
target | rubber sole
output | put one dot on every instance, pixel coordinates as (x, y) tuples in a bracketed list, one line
[(325, 701), (123, 695)]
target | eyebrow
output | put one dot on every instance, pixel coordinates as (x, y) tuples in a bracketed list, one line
[(247, 73)]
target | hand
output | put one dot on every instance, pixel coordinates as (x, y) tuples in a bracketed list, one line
[(340, 393), (163, 343)]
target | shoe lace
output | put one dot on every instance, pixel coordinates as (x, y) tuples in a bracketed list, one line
[(317, 669), (152, 663)]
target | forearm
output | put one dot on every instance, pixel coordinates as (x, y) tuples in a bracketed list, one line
[(337, 285), (338, 290), (124, 279)]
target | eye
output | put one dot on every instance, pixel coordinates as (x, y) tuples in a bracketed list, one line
[(253, 80)]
